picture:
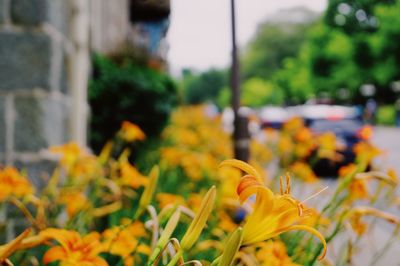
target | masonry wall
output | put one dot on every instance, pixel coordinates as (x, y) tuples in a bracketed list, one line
[(41, 95)]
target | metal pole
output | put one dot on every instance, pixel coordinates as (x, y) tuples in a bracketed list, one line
[(240, 134)]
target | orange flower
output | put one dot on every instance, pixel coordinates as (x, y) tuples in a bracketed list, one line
[(357, 213), (347, 170), (73, 249), (123, 242), (165, 199), (225, 222), (75, 201), (358, 189), (393, 175), (274, 253), (130, 176), (365, 152), (303, 171), (131, 132), (358, 226), (12, 183), (70, 152), (272, 214), (293, 124), (303, 134)]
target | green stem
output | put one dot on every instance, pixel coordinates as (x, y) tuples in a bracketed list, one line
[(175, 258), (216, 261)]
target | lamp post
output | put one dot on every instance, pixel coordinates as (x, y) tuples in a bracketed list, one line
[(241, 136)]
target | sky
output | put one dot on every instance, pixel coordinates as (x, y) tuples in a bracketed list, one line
[(199, 36)]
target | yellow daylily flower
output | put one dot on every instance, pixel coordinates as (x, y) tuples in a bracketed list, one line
[(131, 132), (12, 183), (70, 152), (303, 171), (75, 201), (130, 176), (272, 214), (73, 249), (123, 242), (274, 253)]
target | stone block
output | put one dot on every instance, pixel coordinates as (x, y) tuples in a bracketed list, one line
[(28, 12), (3, 11), (58, 14), (25, 60), (40, 123)]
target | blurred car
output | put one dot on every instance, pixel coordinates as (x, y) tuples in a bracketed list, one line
[(273, 116), (348, 128), (344, 121), (310, 112)]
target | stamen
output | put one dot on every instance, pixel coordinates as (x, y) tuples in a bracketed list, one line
[(314, 195), (281, 183), (300, 208), (288, 187)]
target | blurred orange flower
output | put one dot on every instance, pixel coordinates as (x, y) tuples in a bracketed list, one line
[(74, 201), (124, 241), (303, 171), (273, 253), (365, 152), (165, 199), (130, 176), (12, 183), (70, 152), (131, 132), (73, 249)]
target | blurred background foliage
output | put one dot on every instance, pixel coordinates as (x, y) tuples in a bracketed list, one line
[(121, 89), (332, 55)]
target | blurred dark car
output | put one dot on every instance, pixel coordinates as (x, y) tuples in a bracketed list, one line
[(348, 132), (345, 122)]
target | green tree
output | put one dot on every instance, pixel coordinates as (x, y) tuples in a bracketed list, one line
[(203, 87), (385, 44), (353, 16), (272, 44), (255, 92)]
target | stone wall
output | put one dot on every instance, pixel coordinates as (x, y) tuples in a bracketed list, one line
[(43, 45), (44, 67), (36, 96)]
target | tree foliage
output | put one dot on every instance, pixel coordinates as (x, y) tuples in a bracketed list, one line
[(271, 45), (203, 87), (255, 92)]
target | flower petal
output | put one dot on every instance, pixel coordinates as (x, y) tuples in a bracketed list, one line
[(247, 186), (53, 254), (245, 167)]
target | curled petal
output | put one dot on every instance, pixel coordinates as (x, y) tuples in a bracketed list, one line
[(245, 167), (247, 186), (312, 231), (54, 254)]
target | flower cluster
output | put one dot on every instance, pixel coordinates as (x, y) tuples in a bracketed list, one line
[(188, 202)]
